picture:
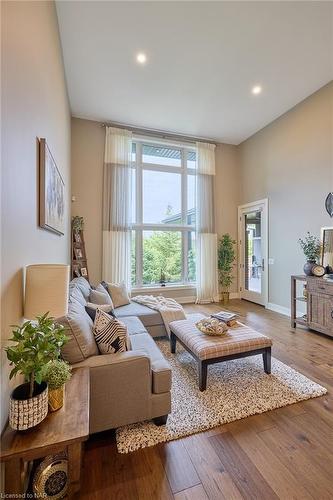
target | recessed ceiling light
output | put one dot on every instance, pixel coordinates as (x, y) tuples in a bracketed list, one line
[(141, 58), (256, 89)]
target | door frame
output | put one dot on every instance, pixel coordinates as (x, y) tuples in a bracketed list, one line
[(241, 247)]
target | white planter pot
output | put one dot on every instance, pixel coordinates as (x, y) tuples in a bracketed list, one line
[(25, 412)]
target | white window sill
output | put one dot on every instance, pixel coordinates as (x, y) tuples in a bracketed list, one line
[(159, 288)]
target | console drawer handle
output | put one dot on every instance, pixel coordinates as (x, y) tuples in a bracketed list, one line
[(332, 314), (321, 287)]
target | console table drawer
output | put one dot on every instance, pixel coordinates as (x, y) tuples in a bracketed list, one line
[(318, 285)]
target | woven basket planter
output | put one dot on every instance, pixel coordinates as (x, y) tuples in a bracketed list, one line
[(25, 412), (56, 398)]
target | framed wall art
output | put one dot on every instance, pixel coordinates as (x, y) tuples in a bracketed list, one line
[(51, 192)]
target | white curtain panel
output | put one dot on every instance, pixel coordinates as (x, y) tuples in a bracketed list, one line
[(117, 199), (207, 277)]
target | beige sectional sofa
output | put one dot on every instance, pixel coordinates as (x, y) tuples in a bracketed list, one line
[(127, 387)]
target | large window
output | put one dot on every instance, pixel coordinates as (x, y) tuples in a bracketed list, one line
[(163, 211)]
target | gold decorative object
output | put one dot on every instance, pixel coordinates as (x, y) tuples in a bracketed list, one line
[(225, 297), (51, 477), (212, 326), (56, 398)]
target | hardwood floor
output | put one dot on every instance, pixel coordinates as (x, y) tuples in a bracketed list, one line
[(285, 453)]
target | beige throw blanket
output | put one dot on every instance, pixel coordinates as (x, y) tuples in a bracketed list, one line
[(169, 309)]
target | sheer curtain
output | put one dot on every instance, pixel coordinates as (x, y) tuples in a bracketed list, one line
[(207, 278), (117, 198)]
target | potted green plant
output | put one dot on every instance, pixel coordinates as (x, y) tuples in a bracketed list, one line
[(226, 258), (56, 373), (36, 343), (311, 247)]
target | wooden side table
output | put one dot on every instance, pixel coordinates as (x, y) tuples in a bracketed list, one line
[(63, 430)]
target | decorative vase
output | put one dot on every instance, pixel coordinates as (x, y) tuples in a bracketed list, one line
[(56, 398), (308, 267), (225, 297), (25, 412)]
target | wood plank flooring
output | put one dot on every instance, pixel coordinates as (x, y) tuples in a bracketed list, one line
[(283, 454)]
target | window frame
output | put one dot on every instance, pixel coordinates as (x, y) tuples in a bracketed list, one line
[(139, 226)]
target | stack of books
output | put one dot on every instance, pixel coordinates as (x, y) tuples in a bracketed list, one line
[(328, 277), (227, 317)]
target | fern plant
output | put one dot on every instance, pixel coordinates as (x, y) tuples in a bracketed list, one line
[(226, 258)]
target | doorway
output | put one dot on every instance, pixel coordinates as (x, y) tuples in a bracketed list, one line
[(253, 251)]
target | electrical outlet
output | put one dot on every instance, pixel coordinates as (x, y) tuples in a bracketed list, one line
[(270, 262)]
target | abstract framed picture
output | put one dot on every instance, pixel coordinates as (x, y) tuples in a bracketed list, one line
[(51, 192)]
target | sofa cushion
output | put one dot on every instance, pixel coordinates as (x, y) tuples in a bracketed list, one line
[(81, 284), (78, 326), (160, 367), (134, 325), (149, 317)]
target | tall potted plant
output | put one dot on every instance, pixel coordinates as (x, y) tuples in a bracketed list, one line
[(226, 258), (36, 343), (311, 247)]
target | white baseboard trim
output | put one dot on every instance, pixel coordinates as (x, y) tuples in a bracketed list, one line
[(186, 300), (282, 310), (279, 309)]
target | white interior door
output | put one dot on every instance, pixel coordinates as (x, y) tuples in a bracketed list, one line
[(253, 251)]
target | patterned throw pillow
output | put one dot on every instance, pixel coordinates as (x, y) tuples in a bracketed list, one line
[(110, 334), (92, 308)]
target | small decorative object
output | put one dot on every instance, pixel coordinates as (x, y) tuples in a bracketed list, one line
[(51, 477), (305, 292), (329, 204), (77, 223), (212, 326), (84, 272), (52, 192), (77, 237), (37, 342), (162, 278), (318, 270), (78, 253), (56, 373), (311, 247), (226, 258)]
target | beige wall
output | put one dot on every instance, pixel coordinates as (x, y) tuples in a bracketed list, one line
[(87, 178), (88, 139), (34, 104), (227, 194), (290, 162)]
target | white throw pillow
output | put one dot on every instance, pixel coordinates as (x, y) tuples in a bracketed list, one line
[(100, 296), (119, 294), (110, 334)]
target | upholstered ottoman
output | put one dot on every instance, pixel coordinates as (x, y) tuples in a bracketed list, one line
[(239, 342)]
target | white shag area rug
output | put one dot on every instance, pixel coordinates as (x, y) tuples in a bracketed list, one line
[(235, 389)]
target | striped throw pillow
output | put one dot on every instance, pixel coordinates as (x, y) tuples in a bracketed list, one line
[(110, 333)]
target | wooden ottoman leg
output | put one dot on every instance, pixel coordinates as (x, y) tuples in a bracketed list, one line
[(202, 375), (173, 340), (267, 359)]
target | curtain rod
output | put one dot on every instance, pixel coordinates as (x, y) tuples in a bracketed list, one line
[(159, 133)]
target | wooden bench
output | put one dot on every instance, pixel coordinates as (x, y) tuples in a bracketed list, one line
[(240, 342)]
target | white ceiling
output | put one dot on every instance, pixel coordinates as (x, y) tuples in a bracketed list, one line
[(203, 59)]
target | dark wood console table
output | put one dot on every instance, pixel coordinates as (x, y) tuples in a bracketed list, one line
[(319, 304), (65, 429)]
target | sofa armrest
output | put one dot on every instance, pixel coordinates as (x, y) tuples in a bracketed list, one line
[(120, 389)]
